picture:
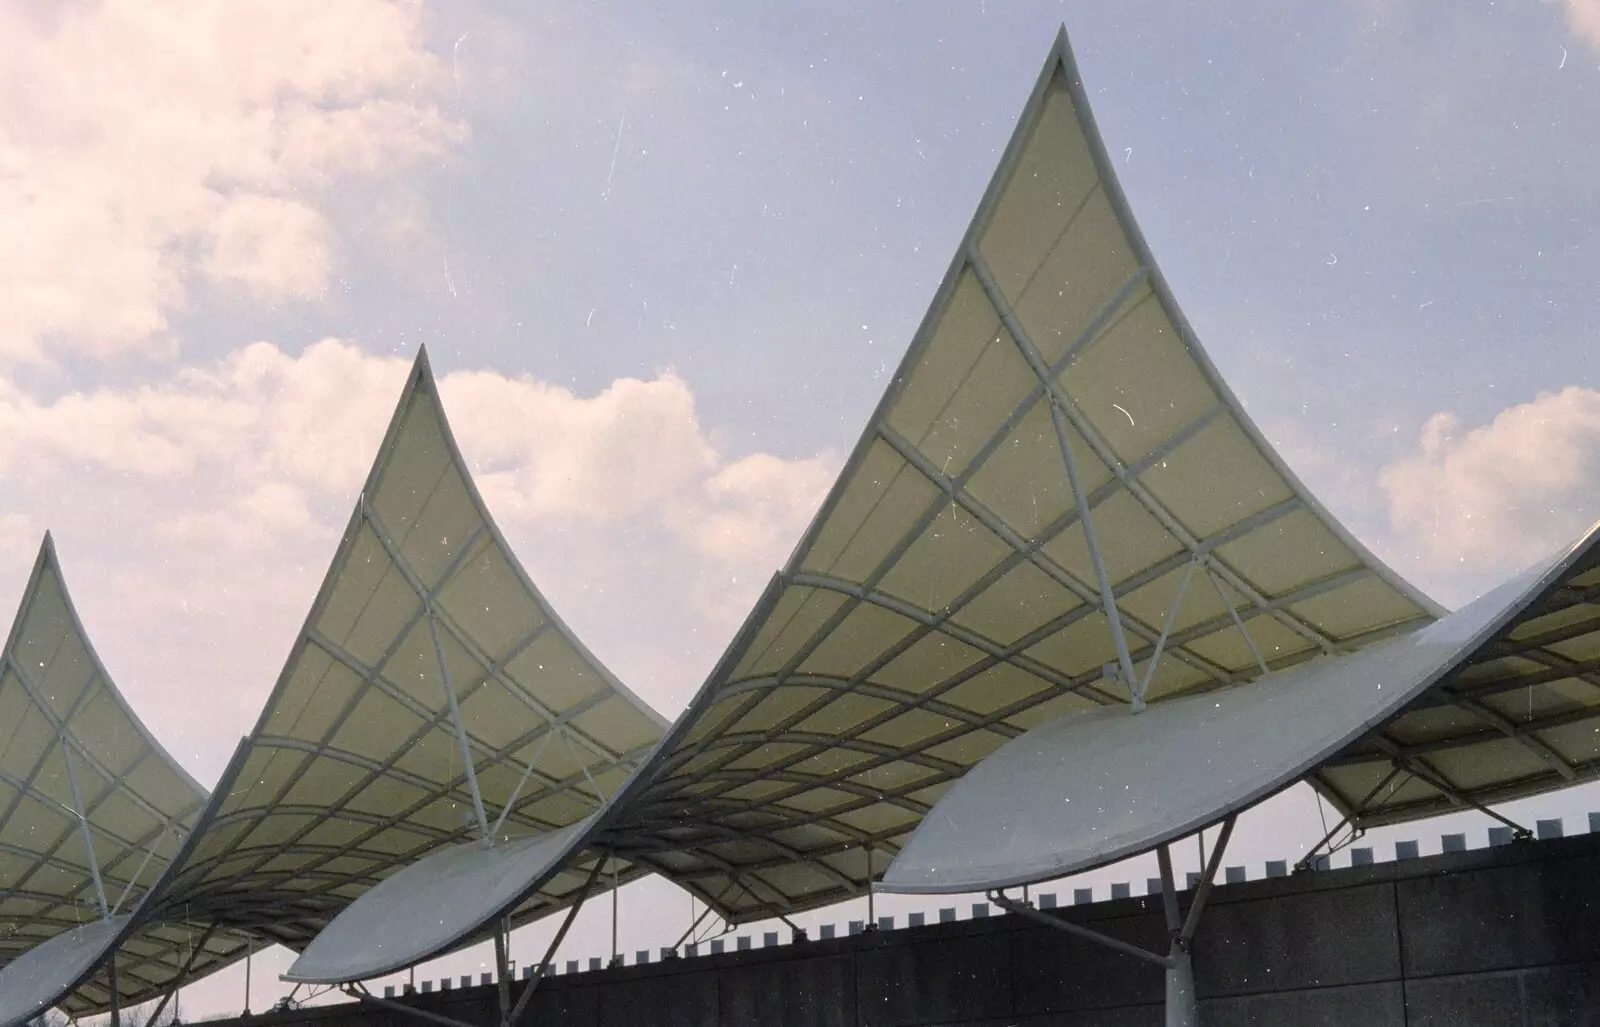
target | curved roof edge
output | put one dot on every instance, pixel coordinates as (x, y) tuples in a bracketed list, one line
[(107, 934), (49, 560)]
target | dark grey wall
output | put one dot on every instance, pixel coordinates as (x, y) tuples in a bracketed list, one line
[(1506, 937)]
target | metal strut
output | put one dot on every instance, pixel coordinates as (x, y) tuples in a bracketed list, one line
[(183, 973), (461, 730), (555, 943), (1233, 612), (1306, 862), (1166, 630), (83, 823), (1182, 1006)]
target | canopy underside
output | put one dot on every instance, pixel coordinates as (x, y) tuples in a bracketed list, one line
[(1519, 718)]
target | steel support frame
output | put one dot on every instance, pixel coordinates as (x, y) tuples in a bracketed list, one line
[(1307, 862), (1182, 1003), (539, 971), (509, 1014), (83, 823), (1420, 768), (116, 993), (1063, 431), (461, 730), (1063, 406), (182, 977)]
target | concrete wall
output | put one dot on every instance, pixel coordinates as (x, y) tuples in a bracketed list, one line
[(1507, 936)]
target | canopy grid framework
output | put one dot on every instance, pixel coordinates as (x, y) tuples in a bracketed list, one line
[(1083, 791), (92, 809), (1519, 718), (1057, 505), (432, 698)]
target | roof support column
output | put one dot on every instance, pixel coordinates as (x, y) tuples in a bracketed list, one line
[(461, 731), (502, 968), (116, 993), (1182, 1002), (83, 824)]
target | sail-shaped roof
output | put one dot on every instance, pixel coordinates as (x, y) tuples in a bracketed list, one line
[(357, 767), (1056, 489), (79, 773)]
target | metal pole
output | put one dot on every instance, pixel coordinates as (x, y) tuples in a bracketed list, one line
[(872, 906), (1083, 932), (1305, 862), (1183, 1005), (1192, 923), (505, 810), (116, 994), (1183, 1009), (1108, 598), (461, 731), (1420, 769), (250, 951), (695, 923), (615, 956), (83, 823), (1166, 631), (502, 984), (137, 874), (555, 943), (1237, 622)]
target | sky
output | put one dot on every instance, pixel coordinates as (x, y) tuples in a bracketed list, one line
[(665, 258)]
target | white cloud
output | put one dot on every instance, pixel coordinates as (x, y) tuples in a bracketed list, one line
[(1500, 496), (196, 515), (1584, 18), (144, 139)]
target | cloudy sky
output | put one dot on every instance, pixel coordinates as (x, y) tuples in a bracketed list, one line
[(664, 258)]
